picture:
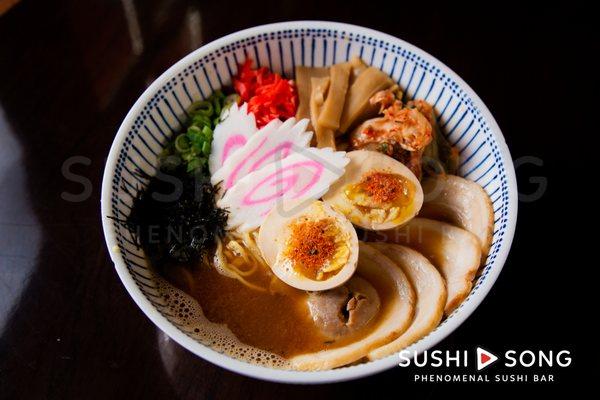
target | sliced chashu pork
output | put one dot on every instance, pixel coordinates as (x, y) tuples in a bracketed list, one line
[(455, 252), (397, 314), (462, 203), (430, 290)]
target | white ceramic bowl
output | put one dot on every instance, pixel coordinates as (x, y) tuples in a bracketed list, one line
[(464, 118)]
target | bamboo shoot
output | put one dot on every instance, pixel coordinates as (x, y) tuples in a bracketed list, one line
[(319, 88), (303, 85), (357, 106), (334, 104)]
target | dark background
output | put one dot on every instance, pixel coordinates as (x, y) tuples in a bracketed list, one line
[(69, 73)]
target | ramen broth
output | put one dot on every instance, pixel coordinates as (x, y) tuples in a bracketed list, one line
[(275, 320)]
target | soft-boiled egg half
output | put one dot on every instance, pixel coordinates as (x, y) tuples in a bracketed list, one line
[(376, 191), (309, 245)]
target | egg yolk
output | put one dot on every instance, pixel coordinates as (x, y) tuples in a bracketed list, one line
[(317, 248), (381, 195)]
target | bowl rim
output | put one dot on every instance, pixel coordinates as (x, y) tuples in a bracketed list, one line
[(287, 376)]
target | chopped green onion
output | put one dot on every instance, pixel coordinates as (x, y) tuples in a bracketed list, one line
[(207, 131), (200, 120), (204, 107), (182, 143), (206, 148), (193, 165), (193, 146)]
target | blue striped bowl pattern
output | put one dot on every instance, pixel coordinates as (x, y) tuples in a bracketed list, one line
[(160, 111)]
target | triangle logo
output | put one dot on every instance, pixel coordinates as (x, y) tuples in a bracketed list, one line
[(484, 358)]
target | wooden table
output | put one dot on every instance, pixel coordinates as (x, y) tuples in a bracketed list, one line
[(69, 72)]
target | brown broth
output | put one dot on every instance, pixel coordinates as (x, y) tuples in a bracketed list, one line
[(277, 321)]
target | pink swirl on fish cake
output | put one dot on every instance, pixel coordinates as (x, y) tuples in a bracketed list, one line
[(285, 148), (233, 143), (287, 182)]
